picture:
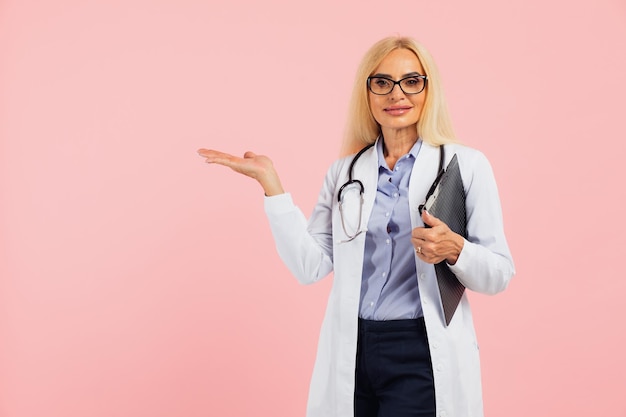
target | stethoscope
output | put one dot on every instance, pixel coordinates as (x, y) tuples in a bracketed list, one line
[(352, 181), (361, 190)]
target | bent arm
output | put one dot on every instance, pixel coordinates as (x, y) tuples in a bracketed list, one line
[(485, 264), (305, 247)]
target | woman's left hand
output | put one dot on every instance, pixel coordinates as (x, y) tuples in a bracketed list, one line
[(436, 243)]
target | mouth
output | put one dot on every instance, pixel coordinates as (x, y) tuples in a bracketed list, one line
[(397, 110)]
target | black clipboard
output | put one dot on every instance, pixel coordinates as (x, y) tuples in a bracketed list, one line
[(446, 201)]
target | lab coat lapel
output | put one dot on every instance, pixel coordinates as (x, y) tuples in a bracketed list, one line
[(366, 170), (422, 176)]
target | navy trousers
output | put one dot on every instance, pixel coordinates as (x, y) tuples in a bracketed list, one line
[(394, 374)]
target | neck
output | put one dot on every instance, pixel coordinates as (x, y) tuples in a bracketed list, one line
[(398, 143)]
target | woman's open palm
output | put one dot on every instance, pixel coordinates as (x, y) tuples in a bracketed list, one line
[(258, 167)]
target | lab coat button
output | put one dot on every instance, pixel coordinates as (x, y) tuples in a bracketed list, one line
[(439, 368), (443, 414), (436, 345)]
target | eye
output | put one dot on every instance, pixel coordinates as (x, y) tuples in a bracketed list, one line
[(412, 82), (382, 82)]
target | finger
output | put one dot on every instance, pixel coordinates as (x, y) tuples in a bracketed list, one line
[(213, 154), (429, 219), (424, 255), (204, 152), (221, 158), (418, 243), (419, 234)]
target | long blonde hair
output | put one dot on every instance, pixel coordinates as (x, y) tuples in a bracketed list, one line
[(434, 125)]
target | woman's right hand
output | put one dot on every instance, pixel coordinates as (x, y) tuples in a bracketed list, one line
[(255, 166)]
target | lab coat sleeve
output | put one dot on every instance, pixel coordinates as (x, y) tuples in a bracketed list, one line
[(485, 264), (304, 246)]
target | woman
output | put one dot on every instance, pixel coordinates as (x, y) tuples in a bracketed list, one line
[(385, 348)]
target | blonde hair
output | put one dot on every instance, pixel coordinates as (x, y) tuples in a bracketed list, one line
[(434, 125)]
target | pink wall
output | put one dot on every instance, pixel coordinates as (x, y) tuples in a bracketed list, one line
[(138, 281)]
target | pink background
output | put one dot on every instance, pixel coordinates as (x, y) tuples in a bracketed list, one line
[(138, 281)]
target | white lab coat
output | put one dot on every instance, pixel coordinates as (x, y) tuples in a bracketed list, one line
[(312, 249)]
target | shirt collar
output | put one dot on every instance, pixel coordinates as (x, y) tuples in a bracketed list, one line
[(381, 157)]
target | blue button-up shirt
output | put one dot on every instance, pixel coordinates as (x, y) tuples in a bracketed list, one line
[(389, 290)]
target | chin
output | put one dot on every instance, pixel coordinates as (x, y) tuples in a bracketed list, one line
[(397, 124)]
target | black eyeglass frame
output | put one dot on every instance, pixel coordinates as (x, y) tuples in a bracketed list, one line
[(423, 77)]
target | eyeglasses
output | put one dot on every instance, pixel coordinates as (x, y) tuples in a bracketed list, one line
[(381, 86)]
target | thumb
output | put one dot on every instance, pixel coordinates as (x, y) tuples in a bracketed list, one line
[(429, 219), (249, 154)]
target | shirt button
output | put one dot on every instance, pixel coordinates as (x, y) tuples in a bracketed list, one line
[(395, 195), (422, 276), (387, 214), (387, 241), (384, 274), (371, 304)]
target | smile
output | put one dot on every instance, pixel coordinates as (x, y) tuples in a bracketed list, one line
[(397, 111)]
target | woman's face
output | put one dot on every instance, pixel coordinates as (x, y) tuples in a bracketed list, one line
[(398, 112)]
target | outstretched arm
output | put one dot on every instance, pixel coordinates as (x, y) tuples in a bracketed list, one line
[(305, 247)]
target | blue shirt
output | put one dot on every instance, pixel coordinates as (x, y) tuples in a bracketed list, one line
[(389, 289)]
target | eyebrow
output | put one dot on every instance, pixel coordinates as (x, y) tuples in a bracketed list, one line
[(410, 74)]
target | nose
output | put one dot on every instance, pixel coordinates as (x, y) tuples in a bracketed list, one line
[(396, 92)]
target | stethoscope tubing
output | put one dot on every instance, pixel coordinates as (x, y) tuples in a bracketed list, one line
[(352, 180)]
